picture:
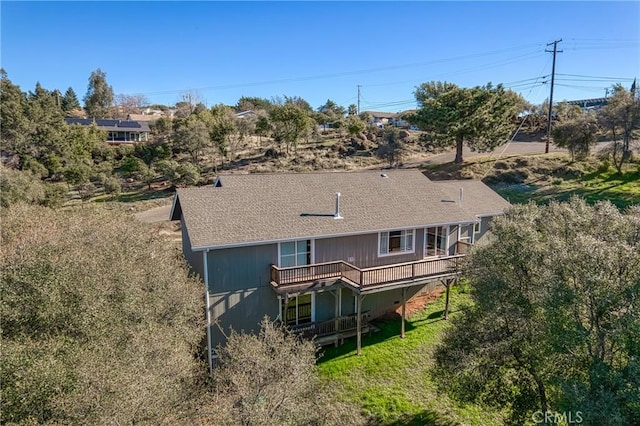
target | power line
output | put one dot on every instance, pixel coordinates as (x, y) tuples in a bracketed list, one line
[(553, 75)]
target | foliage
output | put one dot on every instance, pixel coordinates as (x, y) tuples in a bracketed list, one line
[(269, 379), (621, 120), (100, 320), (192, 136), (221, 127), (252, 103), (391, 147), (355, 125), (70, 101), (577, 135), (554, 323), (12, 106), (481, 116), (20, 186), (290, 123), (99, 97)]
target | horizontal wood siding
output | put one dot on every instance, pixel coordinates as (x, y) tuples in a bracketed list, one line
[(363, 249)]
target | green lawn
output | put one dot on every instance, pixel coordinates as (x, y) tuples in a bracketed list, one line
[(622, 190), (391, 379)]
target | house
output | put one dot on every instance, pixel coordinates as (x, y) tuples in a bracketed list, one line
[(245, 114), (118, 131), (396, 119), (325, 252)]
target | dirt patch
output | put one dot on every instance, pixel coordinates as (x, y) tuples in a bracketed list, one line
[(420, 300)]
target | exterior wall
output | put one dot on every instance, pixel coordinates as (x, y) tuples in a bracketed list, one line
[(239, 289), (362, 250), (485, 234), (194, 259)]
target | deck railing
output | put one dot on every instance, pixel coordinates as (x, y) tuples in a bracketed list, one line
[(328, 327), (365, 277)]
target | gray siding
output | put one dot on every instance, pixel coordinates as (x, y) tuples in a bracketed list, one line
[(485, 234), (362, 250), (239, 291), (194, 259)]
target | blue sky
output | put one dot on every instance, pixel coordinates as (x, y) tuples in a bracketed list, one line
[(320, 50)]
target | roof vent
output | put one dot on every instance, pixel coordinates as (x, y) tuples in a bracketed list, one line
[(384, 175), (461, 196), (336, 215)]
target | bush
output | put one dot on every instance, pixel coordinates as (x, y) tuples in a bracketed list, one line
[(270, 379), (17, 186), (101, 322)]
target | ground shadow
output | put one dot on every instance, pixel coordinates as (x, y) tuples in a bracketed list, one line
[(425, 418)]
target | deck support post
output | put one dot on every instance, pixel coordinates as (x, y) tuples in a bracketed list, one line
[(404, 304), (336, 310), (359, 325), (447, 284)]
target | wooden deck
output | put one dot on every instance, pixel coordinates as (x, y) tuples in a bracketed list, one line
[(367, 278), (332, 331)]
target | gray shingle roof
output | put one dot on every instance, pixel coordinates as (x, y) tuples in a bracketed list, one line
[(477, 199), (255, 208)]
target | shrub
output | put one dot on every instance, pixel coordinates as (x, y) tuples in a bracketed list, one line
[(100, 320)]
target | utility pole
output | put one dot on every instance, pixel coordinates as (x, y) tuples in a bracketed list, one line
[(359, 99), (553, 75)]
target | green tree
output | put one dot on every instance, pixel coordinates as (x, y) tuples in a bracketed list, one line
[(352, 109), (81, 141), (99, 97), (577, 135), (70, 101), (14, 126), (391, 147), (192, 136), (263, 127), (482, 117), (46, 126), (620, 118), (100, 322), (290, 123), (221, 129), (554, 322), (355, 125), (252, 103)]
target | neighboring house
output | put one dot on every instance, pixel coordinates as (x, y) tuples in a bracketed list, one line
[(325, 252), (245, 114), (146, 118), (589, 104), (118, 131), (396, 119)]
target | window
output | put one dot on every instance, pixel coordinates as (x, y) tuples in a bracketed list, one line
[(476, 227), (436, 241), (396, 242), (299, 310), (295, 253)]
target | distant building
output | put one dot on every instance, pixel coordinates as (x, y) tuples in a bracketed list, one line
[(118, 131)]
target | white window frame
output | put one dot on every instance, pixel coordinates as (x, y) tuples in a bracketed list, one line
[(404, 233), (447, 243), (477, 227), (311, 254), (297, 300)]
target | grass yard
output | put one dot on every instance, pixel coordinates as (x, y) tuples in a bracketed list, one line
[(547, 177), (391, 380)]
